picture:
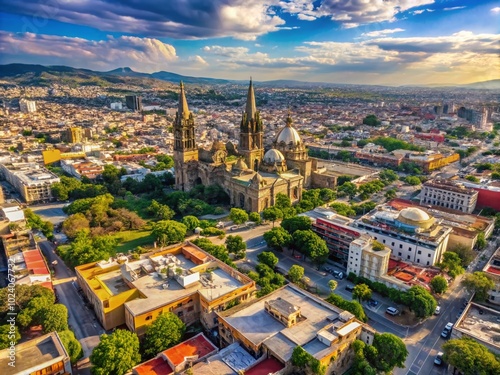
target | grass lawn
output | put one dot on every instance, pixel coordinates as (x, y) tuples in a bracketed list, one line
[(129, 240)]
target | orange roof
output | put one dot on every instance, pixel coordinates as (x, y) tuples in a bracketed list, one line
[(494, 270), (196, 346), (35, 263), (267, 366), (155, 366)]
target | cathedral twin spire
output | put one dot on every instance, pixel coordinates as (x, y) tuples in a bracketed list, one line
[(183, 109)]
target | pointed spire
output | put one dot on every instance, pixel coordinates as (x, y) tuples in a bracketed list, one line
[(289, 120), (251, 108), (183, 109)]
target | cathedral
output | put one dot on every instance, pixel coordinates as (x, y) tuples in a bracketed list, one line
[(256, 176)]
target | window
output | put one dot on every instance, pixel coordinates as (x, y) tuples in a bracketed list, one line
[(418, 260), (384, 241), (190, 308), (408, 257), (428, 255), (180, 314), (427, 263), (400, 245), (419, 252), (392, 244), (149, 317), (409, 248), (399, 254)]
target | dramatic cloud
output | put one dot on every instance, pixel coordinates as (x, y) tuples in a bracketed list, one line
[(142, 54), (378, 33), (183, 19)]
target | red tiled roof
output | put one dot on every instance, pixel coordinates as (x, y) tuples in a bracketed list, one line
[(35, 263), (155, 366), (494, 270), (196, 346), (267, 366)]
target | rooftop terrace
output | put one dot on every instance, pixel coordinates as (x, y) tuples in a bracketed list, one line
[(481, 323)]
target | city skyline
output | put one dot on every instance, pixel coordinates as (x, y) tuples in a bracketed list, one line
[(376, 42)]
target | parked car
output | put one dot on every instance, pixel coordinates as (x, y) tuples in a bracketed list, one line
[(438, 310), (447, 330), (438, 361), (338, 275), (349, 288), (372, 302), (392, 311)]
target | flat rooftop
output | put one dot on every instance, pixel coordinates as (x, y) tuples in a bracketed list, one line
[(482, 323), (36, 352), (257, 325), (198, 346), (221, 283)]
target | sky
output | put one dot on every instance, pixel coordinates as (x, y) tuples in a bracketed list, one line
[(387, 42)]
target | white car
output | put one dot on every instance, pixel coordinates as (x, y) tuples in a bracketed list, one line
[(438, 310)]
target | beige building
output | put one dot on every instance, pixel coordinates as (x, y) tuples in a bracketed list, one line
[(182, 279), (448, 194), (43, 355), (31, 181), (74, 135), (492, 269)]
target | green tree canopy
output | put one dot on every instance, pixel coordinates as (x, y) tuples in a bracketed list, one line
[(439, 284), (235, 244), (191, 222), (377, 246), (282, 201), (362, 292), (412, 180), (238, 216), (354, 307), (470, 357), (85, 249), (166, 331), (277, 238), (296, 223), (75, 223), (349, 189), (465, 253), (295, 273), (478, 283), (332, 284), (160, 211), (54, 318), (272, 214), (255, 217), (390, 352), (371, 120), (168, 232), (268, 258), (72, 345), (116, 353), (311, 245), (7, 336), (420, 301), (452, 264)]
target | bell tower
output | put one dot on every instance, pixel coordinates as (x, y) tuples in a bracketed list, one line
[(251, 145), (185, 148)]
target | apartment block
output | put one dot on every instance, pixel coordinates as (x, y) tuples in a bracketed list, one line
[(30, 180), (184, 280), (449, 194)]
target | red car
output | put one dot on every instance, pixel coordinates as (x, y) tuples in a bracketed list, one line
[(297, 256)]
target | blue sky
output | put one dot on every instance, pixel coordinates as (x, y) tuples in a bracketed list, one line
[(392, 42)]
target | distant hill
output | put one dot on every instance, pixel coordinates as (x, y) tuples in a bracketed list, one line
[(493, 84)]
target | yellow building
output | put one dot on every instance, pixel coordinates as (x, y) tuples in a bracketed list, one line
[(272, 326), (74, 135), (184, 280)]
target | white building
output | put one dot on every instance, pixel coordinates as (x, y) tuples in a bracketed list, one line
[(30, 180), (411, 234), (449, 194), (27, 106)]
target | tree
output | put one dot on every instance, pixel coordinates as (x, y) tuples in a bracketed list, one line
[(255, 217), (300, 357), (85, 249), (111, 174), (362, 292), (377, 246), (168, 232), (371, 120), (294, 224), (472, 178), (452, 264), (295, 273), (478, 283), (420, 301), (354, 307), (160, 211), (59, 191), (390, 352), (390, 194), (75, 223), (272, 214), (7, 335), (268, 258), (277, 238), (311, 245), (465, 253), (72, 345), (116, 353), (332, 284), (235, 244), (439, 284), (481, 241), (349, 189), (412, 180), (166, 331), (470, 357), (54, 318), (238, 216), (191, 222), (282, 201)]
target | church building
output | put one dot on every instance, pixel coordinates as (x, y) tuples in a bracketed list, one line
[(254, 179)]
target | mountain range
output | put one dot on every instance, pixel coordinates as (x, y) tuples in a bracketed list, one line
[(40, 75)]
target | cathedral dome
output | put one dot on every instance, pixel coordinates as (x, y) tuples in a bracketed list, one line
[(416, 217), (273, 156), (288, 134)]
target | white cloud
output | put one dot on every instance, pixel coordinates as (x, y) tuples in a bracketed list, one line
[(305, 17), (378, 33), (420, 11), (495, 10), (454, 8)]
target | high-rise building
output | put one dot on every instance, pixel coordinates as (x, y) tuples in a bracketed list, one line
[(27, 106), (133, 102)]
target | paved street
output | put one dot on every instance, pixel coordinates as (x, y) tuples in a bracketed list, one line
[(51, 211), (82, 320)]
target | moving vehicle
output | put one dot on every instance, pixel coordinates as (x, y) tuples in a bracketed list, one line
[(392, 311), (438, 361), (438, 310), (372, 302), (338, 275), (447, 330)]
